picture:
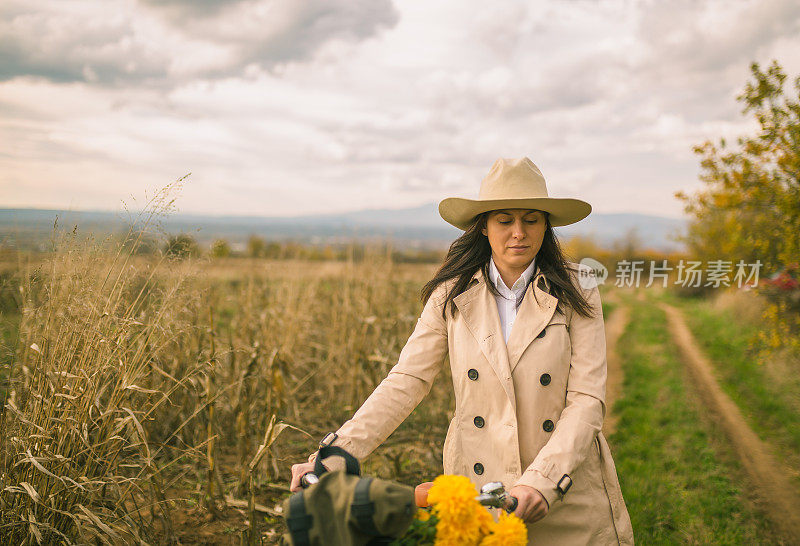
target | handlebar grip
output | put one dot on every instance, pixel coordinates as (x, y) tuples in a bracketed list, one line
[(308, 479), (513, 502)]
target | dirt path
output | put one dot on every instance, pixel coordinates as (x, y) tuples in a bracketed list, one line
[(614, 327), (771, 480)]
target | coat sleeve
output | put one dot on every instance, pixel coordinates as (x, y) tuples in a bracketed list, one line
[(583, 414), (403, 388)]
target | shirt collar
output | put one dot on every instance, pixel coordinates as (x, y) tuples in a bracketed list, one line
[(519, 285)]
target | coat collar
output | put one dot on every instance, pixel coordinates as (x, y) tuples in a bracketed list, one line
[(538, 277), (497, 280), (479, 310)]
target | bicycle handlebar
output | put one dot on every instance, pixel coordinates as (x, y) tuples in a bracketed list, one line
[(493, 494)]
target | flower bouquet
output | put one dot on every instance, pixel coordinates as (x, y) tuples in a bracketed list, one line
[(456, 518)]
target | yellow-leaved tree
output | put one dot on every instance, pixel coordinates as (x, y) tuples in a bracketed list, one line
[(749, 208)]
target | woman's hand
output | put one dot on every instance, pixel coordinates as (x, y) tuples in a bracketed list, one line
[(532, 505), (297, 471)]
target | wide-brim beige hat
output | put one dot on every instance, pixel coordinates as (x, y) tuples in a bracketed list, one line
[(513, 184)]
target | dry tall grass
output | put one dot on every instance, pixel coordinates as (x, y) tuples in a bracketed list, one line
[(139, 379), (81, 431)]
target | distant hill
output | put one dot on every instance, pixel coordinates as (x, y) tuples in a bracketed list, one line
[(416, 226), (656, 232)]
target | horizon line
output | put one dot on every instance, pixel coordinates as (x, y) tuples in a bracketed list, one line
[(306, 215)]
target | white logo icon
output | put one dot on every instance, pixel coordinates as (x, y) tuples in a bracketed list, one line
[(593, 274)]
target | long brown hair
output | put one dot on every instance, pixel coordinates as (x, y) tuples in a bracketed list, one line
[(471, 251)]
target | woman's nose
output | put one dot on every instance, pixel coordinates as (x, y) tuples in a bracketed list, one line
[(518, 232)]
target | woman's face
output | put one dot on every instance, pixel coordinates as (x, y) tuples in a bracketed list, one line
[(515, 236)]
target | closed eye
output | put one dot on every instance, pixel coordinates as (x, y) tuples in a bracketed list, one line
[(529, 220)]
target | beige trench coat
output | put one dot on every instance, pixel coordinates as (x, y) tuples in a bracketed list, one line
[(541, 398)]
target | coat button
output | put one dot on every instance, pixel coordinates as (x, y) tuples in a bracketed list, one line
[(541, 334), (478, 468), (547, 425), (479, 422), (545, 379), (473, 374)]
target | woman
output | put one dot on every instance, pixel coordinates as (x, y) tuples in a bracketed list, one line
[(528, 364)]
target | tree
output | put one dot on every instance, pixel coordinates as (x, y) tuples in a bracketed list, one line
[(139, 243), (220, 249), (273, 250), (256, 246), (182, 246), (750, 207)]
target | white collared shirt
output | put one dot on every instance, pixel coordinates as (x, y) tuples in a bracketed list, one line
[(507, 300)]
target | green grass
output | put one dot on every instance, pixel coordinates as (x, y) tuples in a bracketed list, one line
[(679, 482), (770, 403), (608, 308)]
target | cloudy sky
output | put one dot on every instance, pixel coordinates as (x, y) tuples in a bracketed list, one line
[(286, 107)]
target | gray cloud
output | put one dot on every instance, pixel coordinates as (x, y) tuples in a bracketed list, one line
[(196, 7), (177, 39), (693, 49), (294, 31), (64, 47), (708, 36)]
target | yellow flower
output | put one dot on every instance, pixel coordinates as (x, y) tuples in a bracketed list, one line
[(462, 520), (508, 531), (423, 515)]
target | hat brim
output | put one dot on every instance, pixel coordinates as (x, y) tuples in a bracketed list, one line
[(461, 212)]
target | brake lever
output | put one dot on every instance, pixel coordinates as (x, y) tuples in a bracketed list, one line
[(494, 494)]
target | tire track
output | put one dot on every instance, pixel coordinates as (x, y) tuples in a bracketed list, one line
[(770, 478), (615, 326)]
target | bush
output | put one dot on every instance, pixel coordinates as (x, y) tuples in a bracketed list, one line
[(182, 246)]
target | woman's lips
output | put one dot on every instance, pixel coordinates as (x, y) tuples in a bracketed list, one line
[(518, 248)]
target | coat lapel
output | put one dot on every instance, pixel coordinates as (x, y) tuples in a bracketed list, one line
[(532, 317), (479, 310)]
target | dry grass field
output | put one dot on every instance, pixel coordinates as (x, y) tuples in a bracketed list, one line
[(140, 390), (155, 400)]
